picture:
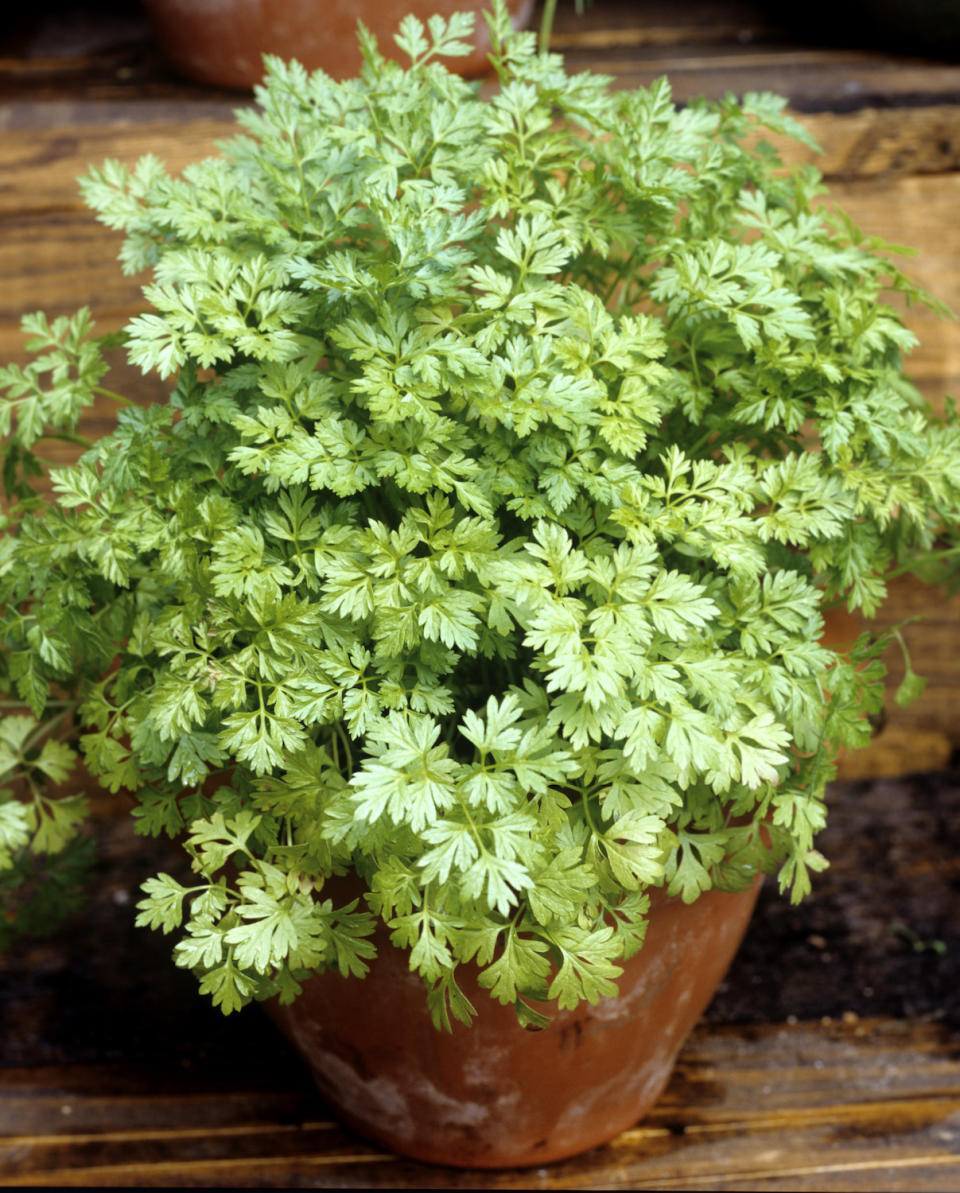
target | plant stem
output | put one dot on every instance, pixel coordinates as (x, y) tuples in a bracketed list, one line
[(50, 704), (345, 740), (44, 728), (546, 25), (108, 393), (926, 557), (69, 437), (585, 803)]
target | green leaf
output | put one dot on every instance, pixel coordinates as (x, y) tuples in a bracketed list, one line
[(216, 840), (910, 687), (515, 441), (56, 760), (522, 966), (15, 829), (588, 969), (633, 850), (229, 988), (57, 822), (688, 865), (202, 948), (163, 906), (275, 929)]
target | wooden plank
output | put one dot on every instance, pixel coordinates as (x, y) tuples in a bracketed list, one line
[(776, 1107), (885, 142), (712, 49), (60, 1102), (612, 22), (925, 735), (820, 80), (707, 49), (842, 1099), (39, 164)]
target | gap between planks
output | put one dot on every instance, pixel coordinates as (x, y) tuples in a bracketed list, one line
[(660, 35), (748, 60), (725, 1179), (726, 1122), (732, 1179), (149, 1134), (87, 1176), (720, 1123)]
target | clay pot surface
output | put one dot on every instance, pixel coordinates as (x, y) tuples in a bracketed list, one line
[(495, 1095), (841, 628), (222, 41)]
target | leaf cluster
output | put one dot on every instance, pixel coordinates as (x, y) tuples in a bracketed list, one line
[(514, 450)]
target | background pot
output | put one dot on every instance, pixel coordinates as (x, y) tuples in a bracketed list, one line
[(222, 41), (494, 1095)]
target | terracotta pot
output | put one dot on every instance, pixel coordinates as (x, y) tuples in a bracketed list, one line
[(222, 41), (495, 1095), (841, 628)]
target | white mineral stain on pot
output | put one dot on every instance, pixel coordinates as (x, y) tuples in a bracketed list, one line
[(634, 1087), (378, 1100), (399, 1103), (449, 1111), (485, 1066), (635, 996)]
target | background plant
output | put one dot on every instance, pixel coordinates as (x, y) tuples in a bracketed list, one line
[(513, 451)]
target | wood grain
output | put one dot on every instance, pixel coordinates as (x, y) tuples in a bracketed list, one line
[(830, 1058), (706, 48), (925, 735), (780, 1107)]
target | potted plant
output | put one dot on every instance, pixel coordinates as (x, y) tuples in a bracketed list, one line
[(461, 611)]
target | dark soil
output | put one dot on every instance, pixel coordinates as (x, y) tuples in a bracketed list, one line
[(880, 936)]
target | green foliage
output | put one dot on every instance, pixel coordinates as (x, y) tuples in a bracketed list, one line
[(513, 449), (44, 855)]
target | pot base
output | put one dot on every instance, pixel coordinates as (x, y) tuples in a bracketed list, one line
[(494, 1095)]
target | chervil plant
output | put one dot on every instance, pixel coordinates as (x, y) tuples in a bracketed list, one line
[(514, 449)]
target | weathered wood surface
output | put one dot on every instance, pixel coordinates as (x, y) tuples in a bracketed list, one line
[(829, 1060), (858, 1105), (102, 52)]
